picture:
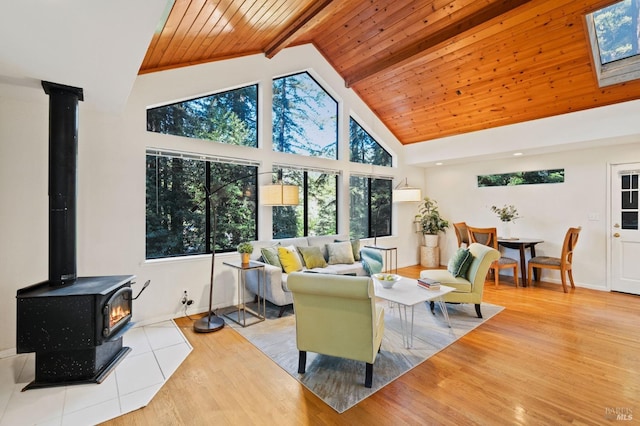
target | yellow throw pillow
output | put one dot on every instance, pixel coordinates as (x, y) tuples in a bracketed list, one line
[(312, 257), (290, 259)]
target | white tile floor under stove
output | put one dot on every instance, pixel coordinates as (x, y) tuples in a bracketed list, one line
[(157, 351)]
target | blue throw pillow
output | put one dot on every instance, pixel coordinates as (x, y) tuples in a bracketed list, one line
[(460, 262)]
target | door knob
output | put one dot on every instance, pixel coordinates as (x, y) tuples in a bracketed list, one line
[(616, 235), (616, 225)]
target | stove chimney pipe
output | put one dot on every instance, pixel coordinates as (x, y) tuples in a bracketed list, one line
[(63, 165)]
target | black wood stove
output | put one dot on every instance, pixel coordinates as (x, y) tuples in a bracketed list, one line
[(73, 324), (75, 330)]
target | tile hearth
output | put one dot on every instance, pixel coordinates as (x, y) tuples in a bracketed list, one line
[(157, 351)]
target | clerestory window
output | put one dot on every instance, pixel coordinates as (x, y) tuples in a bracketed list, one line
[(305, 117), (364, 148), (229, 117)]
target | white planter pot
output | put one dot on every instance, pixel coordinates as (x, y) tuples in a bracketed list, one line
[(431, 240)]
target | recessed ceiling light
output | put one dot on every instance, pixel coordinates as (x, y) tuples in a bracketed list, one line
[(438, 164), (517, 153)]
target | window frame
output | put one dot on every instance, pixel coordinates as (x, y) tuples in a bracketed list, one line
[(371, 226), (256, 131), (374, 140), (304, 195), (250, 179), (337, 116), (620, 71)]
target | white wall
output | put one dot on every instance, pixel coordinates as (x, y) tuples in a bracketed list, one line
[(546, 210), (111, 182)]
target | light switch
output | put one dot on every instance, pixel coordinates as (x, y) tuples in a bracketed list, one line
[(594, 216)]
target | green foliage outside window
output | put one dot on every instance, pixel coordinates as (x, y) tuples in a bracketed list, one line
[(522, 178), (364, 149), (229, 117), (317, 212), (305, 117), (370, 207), (178, 212)]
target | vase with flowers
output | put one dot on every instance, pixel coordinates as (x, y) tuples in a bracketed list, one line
[(507, 214)]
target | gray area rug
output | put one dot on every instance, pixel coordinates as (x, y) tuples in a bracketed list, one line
[(340, 382)]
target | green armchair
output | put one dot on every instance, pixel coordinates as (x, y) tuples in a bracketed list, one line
[(468, 289), (336, 315)]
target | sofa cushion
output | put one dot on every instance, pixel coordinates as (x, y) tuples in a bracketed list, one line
[(340, 253), (270, 256), (290, 259), (355, 247), (342, 269), (312, 257), (460, 262), (322, 241)]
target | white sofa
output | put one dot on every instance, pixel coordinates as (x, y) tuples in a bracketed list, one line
[(276, 290)]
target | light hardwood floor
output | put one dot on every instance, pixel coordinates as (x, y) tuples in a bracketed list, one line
[(548, 358)]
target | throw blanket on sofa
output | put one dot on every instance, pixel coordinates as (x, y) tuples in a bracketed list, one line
[(371, 260)]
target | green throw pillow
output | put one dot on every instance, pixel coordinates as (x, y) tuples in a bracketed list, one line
[(340, 253), (270, 256), (460, 262), (290, 259), (355, 246), (312, 257)]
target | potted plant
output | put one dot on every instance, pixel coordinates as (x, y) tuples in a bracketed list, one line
[(245, 249), (507, 214), (431, 223)]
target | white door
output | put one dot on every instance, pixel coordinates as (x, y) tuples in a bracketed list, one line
[(625, 236)]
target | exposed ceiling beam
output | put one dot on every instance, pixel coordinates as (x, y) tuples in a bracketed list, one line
[(406, 54), (289, 34)]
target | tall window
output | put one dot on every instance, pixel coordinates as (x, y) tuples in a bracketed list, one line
[(179, 214), (364, 148), (305, 117), (613, 33), (227, 117), (317, 213), (370, 207)]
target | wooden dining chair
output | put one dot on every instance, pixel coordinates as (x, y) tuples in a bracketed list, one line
[(461, 234), (489, 237), (562, 263)]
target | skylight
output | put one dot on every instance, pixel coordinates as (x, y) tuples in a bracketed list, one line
[(614, 42)]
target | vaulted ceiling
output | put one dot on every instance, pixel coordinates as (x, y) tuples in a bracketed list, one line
[(427, 68)]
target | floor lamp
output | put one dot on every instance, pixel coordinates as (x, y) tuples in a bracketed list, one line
[(275, 195)]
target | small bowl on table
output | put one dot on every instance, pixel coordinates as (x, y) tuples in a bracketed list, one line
[(386, 280)]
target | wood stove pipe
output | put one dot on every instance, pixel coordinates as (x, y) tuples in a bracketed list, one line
[(63, 165)]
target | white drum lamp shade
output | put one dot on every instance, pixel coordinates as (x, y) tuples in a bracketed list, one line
[(406, 194)]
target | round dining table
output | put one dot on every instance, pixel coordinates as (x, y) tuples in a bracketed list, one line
[(522, 244)]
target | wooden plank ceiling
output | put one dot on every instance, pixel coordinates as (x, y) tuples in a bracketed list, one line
[(427, 68)]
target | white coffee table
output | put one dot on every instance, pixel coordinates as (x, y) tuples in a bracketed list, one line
[(406, 293)]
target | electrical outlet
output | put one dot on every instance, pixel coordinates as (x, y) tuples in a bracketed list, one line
[(185, 299)]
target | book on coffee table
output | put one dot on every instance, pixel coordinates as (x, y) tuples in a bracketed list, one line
[(429, 283)]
